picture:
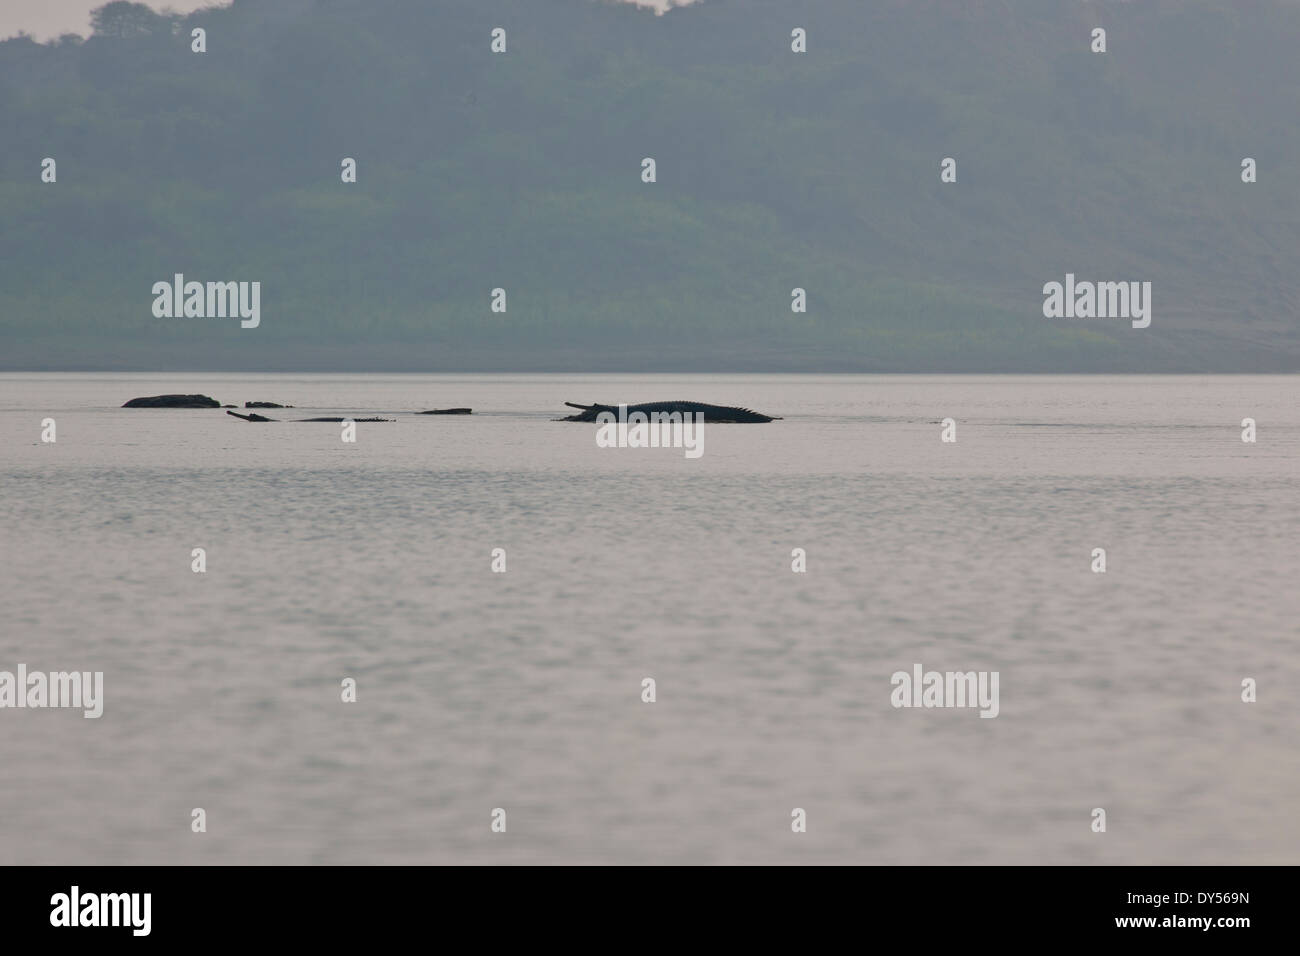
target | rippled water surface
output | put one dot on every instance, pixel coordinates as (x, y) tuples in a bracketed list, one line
[(522, 690)]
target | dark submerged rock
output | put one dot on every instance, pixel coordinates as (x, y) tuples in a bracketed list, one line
[(173, 401)]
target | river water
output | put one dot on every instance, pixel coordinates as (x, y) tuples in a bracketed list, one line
[(477, 690)]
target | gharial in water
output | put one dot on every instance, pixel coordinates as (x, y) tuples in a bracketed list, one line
[(707, 413)]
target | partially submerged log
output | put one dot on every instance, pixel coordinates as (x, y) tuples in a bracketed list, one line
[(173, 401), (254, 417), (709, 413), (447, 411)]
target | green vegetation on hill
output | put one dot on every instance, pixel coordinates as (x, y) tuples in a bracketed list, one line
[(775, 170)]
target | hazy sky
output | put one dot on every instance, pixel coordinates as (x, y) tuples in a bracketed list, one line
[(45, 19)]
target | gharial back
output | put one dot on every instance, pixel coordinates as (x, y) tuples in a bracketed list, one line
[(708, 413)]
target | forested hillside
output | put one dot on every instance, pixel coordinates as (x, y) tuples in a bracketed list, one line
[(775, 170)]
